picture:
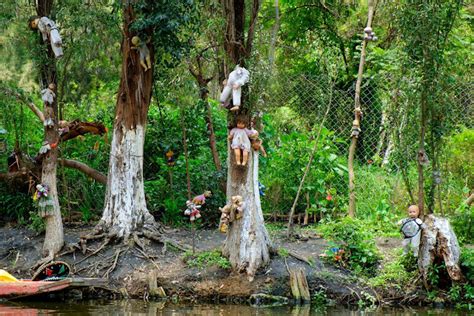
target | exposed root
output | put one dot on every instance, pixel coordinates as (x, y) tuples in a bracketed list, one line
[(112, 268), (107, 240)]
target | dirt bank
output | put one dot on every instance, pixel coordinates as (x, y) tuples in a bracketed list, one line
[(129, 268)]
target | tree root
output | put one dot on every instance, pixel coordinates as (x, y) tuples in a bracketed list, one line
[(107, 240)]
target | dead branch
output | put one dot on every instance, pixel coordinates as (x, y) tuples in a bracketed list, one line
[(77, 128), (74, 164)]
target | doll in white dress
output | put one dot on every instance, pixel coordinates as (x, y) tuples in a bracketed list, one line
[(48, 30), (232, 86), (239, 136)]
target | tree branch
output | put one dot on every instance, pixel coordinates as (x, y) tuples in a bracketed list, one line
[(94, 174), (251, 30)]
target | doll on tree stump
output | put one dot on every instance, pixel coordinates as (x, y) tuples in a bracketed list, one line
[(240, 141)]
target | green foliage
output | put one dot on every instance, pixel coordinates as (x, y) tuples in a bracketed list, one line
[(351, 235), (398, 272), (206, 259), (323, 184), (467, 264), (283, 252)]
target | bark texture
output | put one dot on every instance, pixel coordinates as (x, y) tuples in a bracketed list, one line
[(54, 235), (125, 209), (439, 243), (247, 244)]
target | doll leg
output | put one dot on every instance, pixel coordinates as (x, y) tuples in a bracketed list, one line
[(415, 244), (148, 61), (142, 63), (237, 156), (225, 94), (236, 94), (245, 157), (406, 245)]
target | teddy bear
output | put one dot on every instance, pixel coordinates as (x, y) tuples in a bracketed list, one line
[(230, 212)]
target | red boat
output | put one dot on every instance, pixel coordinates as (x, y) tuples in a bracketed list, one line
[(28, 288)]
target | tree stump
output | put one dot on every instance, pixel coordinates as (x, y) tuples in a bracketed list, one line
[(299, 286), (439, 243)]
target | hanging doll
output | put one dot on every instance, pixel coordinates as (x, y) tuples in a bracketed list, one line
[(240, 142), (46, 146), (192, 211), (45, 203), (201, 198), (170, 159), (48, 95), (237, 78), (145, 59), (230, 212), (49, 30), (411, 229)]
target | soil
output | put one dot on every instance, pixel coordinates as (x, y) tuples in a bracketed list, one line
[(20, 249)]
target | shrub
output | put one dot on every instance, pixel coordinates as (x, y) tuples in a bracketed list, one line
[(352, 245)]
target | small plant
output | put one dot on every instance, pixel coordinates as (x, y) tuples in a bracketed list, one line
[(36, 223), (283, 252), (319, 298), (206, 259), (467, 263), (351, 245)]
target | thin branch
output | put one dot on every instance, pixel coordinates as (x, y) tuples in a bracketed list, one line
[(251, 30)]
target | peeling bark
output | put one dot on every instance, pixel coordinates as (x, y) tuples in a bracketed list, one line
[(247, 244), (125, 211), (438, 241)]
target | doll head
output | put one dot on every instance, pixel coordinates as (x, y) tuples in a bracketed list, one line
[(136, 41), (207, 193), (241, 123), (51, 86), (237, 200), (33, 22), (413, 211)]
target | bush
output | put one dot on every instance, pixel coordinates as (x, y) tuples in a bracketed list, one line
[(352, 245), (467, 263)]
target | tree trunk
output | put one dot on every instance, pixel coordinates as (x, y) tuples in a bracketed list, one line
[(357, 118), (421, 151), (54, 235), (439, 243), (247, 244), (125, 210)]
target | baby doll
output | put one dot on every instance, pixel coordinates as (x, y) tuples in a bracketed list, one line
[(411, 227), (145, 59), (240, 142), (49, 30), (201, 199), (237, 78)]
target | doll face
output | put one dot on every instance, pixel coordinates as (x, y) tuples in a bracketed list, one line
[(413, 211), (34, 23), (240, 125)]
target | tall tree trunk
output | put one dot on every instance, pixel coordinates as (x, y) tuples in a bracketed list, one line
[(421, 150), (357, 117), (54, 236), (125, 210), (247, 244)]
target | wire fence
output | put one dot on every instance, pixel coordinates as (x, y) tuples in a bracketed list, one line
[(295, 106)]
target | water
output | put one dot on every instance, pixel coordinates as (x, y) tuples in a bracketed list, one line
[(140, 308)]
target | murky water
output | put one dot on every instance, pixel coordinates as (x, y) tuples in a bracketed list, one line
[(139, 308)]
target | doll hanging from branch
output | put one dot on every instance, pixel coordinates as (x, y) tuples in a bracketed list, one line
[(140, 46), (232, 86), (48, 30), (240, 142)]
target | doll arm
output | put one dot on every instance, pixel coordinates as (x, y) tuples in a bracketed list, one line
[(264, 153), (231, 134)]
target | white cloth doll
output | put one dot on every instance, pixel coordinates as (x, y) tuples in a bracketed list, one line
[(232, 86), (50, 31), (48, 95)]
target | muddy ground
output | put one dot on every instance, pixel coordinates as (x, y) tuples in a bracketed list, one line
[(128, 268)]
